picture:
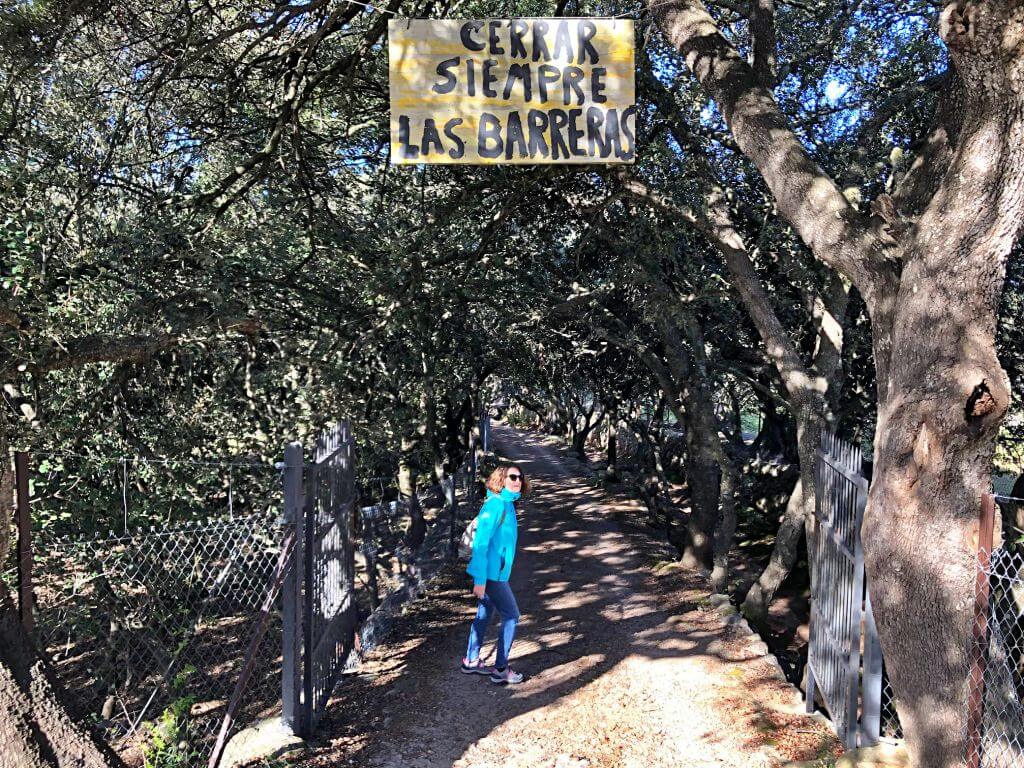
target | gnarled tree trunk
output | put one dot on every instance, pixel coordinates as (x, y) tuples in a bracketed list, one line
[(930, 266), (944, 393)]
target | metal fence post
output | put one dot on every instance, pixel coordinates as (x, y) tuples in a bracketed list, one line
[(871, 702), (291, 670), (25, 607), (812, 548), (853, 670), (976, 681), (310, 595)]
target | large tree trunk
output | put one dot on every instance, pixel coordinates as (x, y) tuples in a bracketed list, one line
[(725, 531), (945, 393), (703, 447), (703, 478), (931, 276)]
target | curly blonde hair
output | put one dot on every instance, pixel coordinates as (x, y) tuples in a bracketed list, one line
[(496, 481)]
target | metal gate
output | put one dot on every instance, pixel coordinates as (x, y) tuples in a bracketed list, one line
[(319, 587), (837, 584), (855, 690)]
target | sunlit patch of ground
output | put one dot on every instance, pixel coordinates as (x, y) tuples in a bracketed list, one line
[(627, 664)]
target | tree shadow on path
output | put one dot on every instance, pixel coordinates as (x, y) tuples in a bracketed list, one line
[(588, 602)]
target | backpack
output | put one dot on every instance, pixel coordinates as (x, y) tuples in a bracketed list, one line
[(466, 542)]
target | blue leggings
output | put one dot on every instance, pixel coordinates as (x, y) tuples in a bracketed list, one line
[(497, 597)]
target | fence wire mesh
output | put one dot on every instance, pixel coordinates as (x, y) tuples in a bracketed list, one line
[(890, 720), (996, 739), (148, 630), (330, 610)]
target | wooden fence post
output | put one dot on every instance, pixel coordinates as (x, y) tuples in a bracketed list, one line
[(26, 609), (979, 639), (291, 597)]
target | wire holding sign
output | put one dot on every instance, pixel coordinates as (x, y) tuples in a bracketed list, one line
[(524, 91)]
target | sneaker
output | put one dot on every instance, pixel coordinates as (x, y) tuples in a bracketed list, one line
[(507, 676), (475, 668)]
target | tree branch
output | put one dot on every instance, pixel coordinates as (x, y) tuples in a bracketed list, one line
[(99, 348), (762, 38), (808, 198)]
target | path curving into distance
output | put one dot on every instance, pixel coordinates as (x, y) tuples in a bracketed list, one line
[(627, 664)]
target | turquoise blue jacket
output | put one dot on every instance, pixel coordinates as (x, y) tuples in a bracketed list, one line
[(494, 545)]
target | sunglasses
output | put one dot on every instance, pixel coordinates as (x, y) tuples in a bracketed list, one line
[(514, 477)]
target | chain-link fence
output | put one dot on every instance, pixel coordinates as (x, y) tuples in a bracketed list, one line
[(995, 736), (890, 727), (148, 630)]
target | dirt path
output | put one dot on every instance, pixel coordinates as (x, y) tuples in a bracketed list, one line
[(627, 664)]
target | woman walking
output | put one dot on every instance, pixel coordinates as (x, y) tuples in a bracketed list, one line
[(494, 549)]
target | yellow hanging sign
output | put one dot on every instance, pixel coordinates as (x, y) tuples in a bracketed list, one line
[(521, 91)]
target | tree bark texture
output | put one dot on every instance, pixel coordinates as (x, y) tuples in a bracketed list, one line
[(36, 727), (703, 474), (941, 405), (931, 281)]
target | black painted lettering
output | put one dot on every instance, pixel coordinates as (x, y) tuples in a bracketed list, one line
[(471, 77), (571, 79), (537, 122), (431, 137), (460, 146), (492, 38), (407, 150), (514, 134), (519, 72), (597, 85), (596, 145), (406, 147), (611, 131), (489, 130), (559, 120), (575, 132), (547, 74), (466, 33), (489, 79), (540, 45), (563, 43), (629, 131), (516, 48), (585, 32), (444, 69)]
